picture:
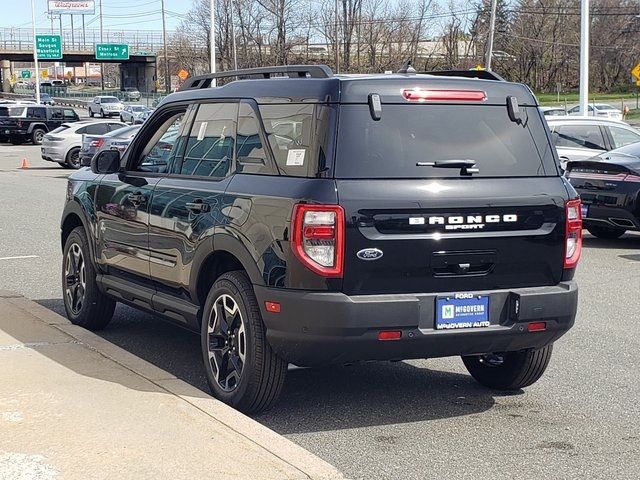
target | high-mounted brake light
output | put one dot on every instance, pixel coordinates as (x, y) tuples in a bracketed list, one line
[(419, 95), (573, 235), (317, 238)]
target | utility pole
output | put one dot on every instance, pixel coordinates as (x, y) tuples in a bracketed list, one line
[(584, 57), (101, 41), (492, 32), (167, 78), (233, 36), (213, 40), (73, 40), (35, 50)]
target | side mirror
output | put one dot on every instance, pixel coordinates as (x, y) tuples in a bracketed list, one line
[(107, 161)]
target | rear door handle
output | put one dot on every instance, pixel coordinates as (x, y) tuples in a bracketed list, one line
[(137, 198), (197, 206)]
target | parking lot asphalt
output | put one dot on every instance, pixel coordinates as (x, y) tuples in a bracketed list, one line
[(406, 420)]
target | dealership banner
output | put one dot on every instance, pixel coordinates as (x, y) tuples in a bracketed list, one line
[(78, 7)]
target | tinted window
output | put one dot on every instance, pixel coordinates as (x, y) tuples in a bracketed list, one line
[(12, 111), (298, 135), (113, 126), (250, 153), (622, 136), (209, 151), (580, 136), (61, 128), (39, 113), (56, 114), (96, 129), (410, 134), (109, 100), (69, 114)]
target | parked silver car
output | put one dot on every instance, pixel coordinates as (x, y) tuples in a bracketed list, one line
[(579, 138), (116, 139), (598, 110), (131, 112)]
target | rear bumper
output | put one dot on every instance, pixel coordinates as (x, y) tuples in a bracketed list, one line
[(612, 217), (52, 153), (317, 328)]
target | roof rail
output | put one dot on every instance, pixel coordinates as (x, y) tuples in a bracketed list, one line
[(481, 74), (292, 71)]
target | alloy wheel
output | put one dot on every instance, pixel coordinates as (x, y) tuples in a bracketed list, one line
[(75, 278), (226, 341), (74, 159)]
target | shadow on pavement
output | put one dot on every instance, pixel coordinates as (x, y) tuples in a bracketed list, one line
[(321, 399), (627, 241)]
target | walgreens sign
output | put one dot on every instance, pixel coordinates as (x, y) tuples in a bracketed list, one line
[(84, 7)]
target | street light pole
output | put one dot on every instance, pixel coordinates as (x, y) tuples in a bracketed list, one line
[(101, 41), (213, 40), (167, 79), (35, 50), (584, 57), (492, 31)]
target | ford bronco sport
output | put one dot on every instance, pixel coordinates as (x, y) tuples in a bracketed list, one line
[(309, 218)]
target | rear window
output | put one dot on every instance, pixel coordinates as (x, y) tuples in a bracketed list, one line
[(12, 111), (410, 134), (61, 128)]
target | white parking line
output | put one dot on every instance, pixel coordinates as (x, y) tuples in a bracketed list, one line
[(19, 257)]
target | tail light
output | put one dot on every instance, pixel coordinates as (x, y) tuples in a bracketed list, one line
[(318, 238), (419, 95), (97, 143), (573, 236)]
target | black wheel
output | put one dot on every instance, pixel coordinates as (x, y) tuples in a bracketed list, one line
[(606, 232), (73, 158), (121, 119), (101, 113), (510, 370), (63, 164), (90, 113), (242, 370), (85, 305), (37, 135)]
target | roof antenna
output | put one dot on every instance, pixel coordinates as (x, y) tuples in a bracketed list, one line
[(407, 68)]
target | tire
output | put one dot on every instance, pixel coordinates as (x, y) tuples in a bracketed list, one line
[(517, 369), (63, 164), (121, 119), (606, 232), (85, 305), (101, 113), (73, 158), (37, 135), (90, 113), (261, 372)]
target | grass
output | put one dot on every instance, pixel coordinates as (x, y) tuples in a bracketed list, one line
[(572, 98)]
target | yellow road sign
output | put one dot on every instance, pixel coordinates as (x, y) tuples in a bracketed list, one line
[(636, 71), (183, 74), (44, 74), (637, 83)]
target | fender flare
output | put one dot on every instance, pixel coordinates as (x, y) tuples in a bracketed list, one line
[(74, 208), (33, 126), (226, 242)]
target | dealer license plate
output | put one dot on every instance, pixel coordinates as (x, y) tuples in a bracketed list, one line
[(585, 210), (462, 310)]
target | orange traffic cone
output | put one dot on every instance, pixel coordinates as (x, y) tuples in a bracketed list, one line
[(24, 164)]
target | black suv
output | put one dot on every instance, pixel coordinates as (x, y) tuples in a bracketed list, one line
[(318, 219), (19, 123)]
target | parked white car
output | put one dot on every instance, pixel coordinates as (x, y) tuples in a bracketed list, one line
[(63, 144), (105, 106), (579, 138), (598, 110)]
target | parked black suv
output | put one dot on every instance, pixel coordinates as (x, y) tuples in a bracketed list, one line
[(318, 219), (19, 123)]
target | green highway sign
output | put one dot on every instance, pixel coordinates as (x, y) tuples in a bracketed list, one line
[(49, 47), (112, 51), (25, 74)]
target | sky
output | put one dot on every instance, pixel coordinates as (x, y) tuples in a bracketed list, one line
[(125, 14)]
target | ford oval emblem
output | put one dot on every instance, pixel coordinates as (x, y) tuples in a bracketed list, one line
[(370, 254)]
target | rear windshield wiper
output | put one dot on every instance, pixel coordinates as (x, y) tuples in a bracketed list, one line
[(466, 166)]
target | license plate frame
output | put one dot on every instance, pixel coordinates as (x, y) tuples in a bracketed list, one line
[(461, 311)]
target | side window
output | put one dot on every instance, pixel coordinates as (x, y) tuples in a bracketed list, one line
[(622, 136), (56, 114), (35, 112), (82, 131), (162, 148), (250, 153), (69, 114), (210, 145), (299, 136), (579, 136)]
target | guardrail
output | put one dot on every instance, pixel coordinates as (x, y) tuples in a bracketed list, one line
[(68, 102)]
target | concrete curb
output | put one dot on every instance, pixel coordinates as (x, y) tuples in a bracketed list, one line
[(274, 443)]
